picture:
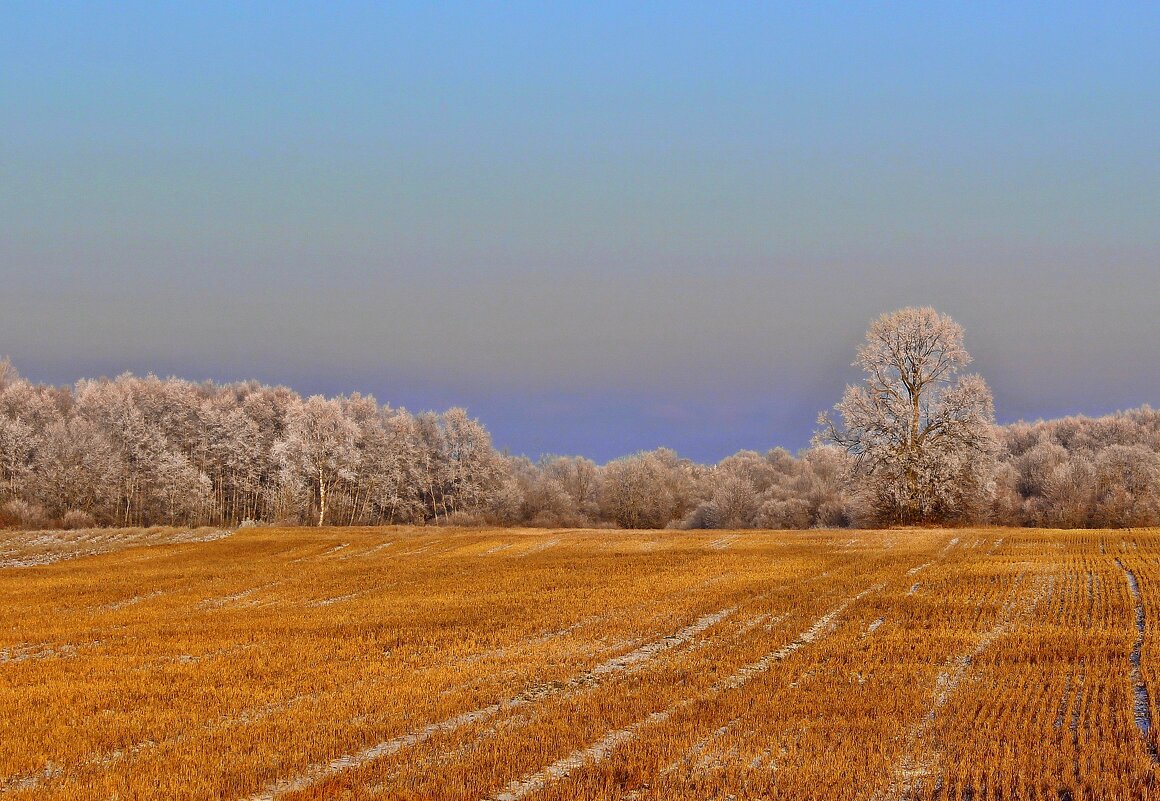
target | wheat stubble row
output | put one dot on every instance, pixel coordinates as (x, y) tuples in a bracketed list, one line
[(472, 664)]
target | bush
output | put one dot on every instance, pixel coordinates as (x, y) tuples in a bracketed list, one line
[(76, 518), (26, 514), (465, 519)]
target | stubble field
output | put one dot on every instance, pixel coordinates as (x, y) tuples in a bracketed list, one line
[(511, 664)]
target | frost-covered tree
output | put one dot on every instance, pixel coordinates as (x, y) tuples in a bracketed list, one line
[(1081, 471), (473, 468), (648, 490), (579, 478), (18, 444), (400, 483), (921, 433), (77, 470), (26, 411), (319, 449), (1127, 486), (147, 451), (634, 493), (777, 490)]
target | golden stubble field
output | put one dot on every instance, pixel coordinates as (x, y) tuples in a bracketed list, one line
[(510, 664)]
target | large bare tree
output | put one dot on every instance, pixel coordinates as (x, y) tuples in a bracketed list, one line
[(922, 434)]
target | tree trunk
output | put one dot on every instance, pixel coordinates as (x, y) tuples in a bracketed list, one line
[(321, 498), (915, 418)]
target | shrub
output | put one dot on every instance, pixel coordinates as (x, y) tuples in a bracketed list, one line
[(77, 518), (26, 514)]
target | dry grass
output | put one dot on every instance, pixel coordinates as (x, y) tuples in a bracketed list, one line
[(467, 664)]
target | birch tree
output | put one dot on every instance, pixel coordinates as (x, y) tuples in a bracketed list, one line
[(400, 481), (474, 469), (77, 471), (319, 448)]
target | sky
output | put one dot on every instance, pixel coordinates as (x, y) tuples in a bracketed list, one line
[(599, 227)]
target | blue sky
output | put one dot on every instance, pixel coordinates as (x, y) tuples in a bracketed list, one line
[(599, 227)]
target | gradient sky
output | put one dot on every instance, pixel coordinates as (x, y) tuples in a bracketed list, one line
[(599, 227)]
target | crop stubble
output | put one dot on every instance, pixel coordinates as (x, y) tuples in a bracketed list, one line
[(511, 664)]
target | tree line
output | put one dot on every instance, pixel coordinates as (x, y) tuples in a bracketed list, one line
[(915, 443)]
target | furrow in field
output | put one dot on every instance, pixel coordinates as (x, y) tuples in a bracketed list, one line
[(539, 547), (532, 641), (1077, 709), (599, 750), (628, 662), (133, 601), (624, 664), (249, 716), (337, 599), (1142, 706), (821, 627), (47, 548), (946, 549), (920, 760), (596, 752), (22, 652), (723, 543), (368, 552), (447, 759), (240, 598), (19, 783)]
